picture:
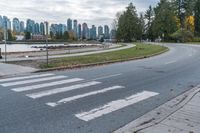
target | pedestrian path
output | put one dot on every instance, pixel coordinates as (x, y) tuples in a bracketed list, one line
[(185, 120), (11, 69), (47, 85)]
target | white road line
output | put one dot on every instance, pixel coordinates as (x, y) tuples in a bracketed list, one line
[(171, 62), (69, 99), (34, 87), (115, 105), (25, 77), (109, 76), (60, 90), (32, 81)]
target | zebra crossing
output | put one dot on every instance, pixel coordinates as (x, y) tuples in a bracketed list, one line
[(41, 84)]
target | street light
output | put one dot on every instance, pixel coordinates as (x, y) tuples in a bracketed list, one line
[(5, 39), (47, 51)]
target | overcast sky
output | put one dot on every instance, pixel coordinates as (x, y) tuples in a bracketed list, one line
[(98, 12)]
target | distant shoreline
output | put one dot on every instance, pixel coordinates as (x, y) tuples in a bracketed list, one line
[(52, 42)]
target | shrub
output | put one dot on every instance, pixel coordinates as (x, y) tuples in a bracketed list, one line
[(183, 35)]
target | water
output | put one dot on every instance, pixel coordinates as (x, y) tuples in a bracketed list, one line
[(29, 47), (24, 47)]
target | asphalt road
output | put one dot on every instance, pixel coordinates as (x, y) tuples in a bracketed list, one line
[(99, 99)]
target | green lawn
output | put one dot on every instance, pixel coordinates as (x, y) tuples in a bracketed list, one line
[(140, 51)]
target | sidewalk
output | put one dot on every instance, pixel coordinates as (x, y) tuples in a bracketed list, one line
[(9, 69), (185, 120), (180, 115)]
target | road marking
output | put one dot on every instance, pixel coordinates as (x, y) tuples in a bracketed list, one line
[(109, 76), (69, 99), (171, 62), (25, 77), (60, 90), (191, 55), (115, 105), (32, 81), (34, 87)]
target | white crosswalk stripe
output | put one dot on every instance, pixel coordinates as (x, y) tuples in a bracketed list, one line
[(83, 95), (25, 77), (69, 84), (60, 90), (115, 105), (31, 81), (34, 87)]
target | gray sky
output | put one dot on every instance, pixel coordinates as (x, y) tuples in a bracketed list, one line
[(98, 12)]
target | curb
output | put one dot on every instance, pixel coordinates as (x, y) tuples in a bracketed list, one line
[(159, 114), (100, 63)]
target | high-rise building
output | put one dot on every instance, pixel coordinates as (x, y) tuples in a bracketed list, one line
[(54, 28), (69, 24), (85, 31), (113, 34), (64, 28), (22, 26), (16, 25), (79, 31), (37, 28), (42, 32), (6, 23), (9, 24), (93, 32), (75, 28), (106, 32), (1, 22), (30, 26), (100, 31)]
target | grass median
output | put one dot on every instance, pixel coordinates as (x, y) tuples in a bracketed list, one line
[(138, 52)]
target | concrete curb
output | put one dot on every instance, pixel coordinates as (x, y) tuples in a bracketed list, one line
[(159, 114), (100, 63)]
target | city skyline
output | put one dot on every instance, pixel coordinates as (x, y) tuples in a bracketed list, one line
[(80, 31), (57, 11)]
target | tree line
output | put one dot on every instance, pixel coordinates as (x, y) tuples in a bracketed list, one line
[(170, 20)]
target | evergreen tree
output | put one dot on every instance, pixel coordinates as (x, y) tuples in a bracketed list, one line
[(164, 23), (27, 35), (128, 25), (66, 36), (149, 14), (197, 17), (10, 36)]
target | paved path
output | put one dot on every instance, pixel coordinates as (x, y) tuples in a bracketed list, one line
[(70, 55), (10, 69), (185, 120)]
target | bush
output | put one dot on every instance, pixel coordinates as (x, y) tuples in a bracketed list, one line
[(196, 39), (183, 35)]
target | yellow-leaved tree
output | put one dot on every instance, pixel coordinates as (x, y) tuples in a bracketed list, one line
[(189, 23)]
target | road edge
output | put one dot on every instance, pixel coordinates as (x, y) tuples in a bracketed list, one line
[(159, 114)]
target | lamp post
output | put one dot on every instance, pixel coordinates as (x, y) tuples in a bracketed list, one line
[(5, 39), (47, 51)]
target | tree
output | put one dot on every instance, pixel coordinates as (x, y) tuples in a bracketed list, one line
[(128, 25), (197, 17), (149, 15), (66, 36), (27, 35), (10, 35), (183, 9), (51, 35), (1, 34), (141, 28), (164, 23)]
